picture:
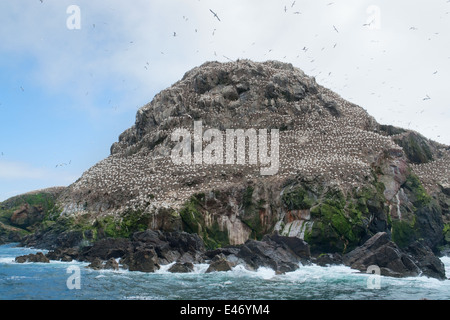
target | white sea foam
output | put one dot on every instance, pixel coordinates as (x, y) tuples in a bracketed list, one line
[(142, 297), (262, 272), (7, 260), (265, 273), (446, 262), (164, 269), (17, 278), (200, 268)]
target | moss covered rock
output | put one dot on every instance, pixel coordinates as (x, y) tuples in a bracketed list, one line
[(416, 147), (196, 219), (26, 213)]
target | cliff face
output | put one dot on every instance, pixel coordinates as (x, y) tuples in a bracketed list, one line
[(339, 177)]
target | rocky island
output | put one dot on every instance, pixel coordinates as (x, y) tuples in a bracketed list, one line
[(347, 190)]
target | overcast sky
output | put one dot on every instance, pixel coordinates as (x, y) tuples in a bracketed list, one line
[(73, 73)]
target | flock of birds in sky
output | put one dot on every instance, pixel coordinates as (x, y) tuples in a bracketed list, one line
[(216, 16)]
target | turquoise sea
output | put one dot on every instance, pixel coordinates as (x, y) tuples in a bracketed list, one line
[(73, 281)]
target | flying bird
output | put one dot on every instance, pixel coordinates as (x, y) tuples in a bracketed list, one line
[(215, 14), (369, 24), (335, 29), (427, 98)]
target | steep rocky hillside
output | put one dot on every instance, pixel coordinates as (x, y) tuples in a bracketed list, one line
[(339, 179)]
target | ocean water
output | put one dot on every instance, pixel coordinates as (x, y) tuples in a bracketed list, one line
[(73, 281)]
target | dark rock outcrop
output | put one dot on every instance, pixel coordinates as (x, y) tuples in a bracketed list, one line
[(219, 263), (111, 264), (142, 259), (393, 261), (38, 257), (27, 215), (96, 264), (107, 248), (146, 251), (383, 253), (429, 264), (179, 267), (327, 259), (172, 246), (57, 237), (298, 246), (64, 254), (268, 254), (280, 253)]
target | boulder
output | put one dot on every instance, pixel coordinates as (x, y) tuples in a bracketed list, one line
[(27, 215), (38, 257), (171, 246), (111, 264), (226, 251), (106, 248), (429, 264), (63, 254), (186, 242), (298, 246), (385, 254), (179, 267), (219, 263), (143, 259), (328, 259), (69, 239), (152, 237), (96, 264), (229, 253), (268, 254)]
